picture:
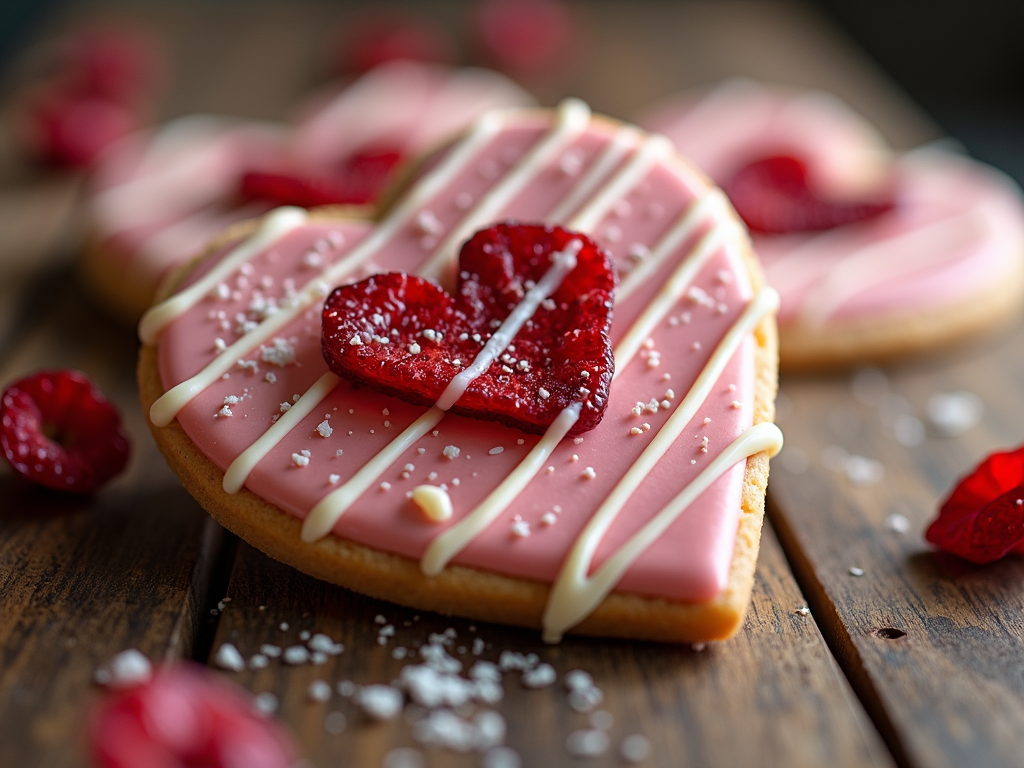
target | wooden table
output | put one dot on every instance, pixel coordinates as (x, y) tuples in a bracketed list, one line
[(915, 662)]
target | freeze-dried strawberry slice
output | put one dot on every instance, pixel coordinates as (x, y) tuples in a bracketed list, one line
[(359, 180), (983, 518), (403, 335), (186, 717), (773, 196), (58, 430)]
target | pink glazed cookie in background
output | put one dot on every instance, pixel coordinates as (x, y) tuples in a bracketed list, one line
[(933, 250), (157, 197)]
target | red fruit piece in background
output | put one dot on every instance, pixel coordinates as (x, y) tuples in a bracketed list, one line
[(983, 517), (72, 129), (524, 35), (186, 717), (359, 180), (378, 37), (118, 64), (57, 430), (772, 195), (559, 357)]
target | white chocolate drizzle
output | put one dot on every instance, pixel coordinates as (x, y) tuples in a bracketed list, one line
[(275, 225), (563, 262), (573, 118), (242, 467), (457, 537), (572, 590), (575, 595)]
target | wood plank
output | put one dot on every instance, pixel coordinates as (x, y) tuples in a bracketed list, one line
[(771, 696), (931, 643), (82, 579)]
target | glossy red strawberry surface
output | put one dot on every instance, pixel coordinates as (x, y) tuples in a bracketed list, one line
[(57, 430), (562, 356), (186, 718), (773, 196), (358, 180), (983, 518)]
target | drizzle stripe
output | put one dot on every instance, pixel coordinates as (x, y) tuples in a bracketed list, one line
[(574, 595), (458, 536), (655, 148), (566, 587), (626, 139), (663, 302), (331, 507), (276, 224), (238, 472), (573, 119)]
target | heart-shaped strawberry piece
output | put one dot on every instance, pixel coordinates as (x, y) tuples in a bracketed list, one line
[(403, 335), (358, 180), (773, 196)]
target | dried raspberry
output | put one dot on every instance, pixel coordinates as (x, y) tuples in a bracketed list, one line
[(563, 355), (392, 35), (983, 518), (114, 63), (72, 129), (524, 35), (186, 717), (58, 430), (772, 196), (359, 180)]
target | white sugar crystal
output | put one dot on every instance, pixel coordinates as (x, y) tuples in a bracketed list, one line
[(404, 757), (953, 413), (380, 702), (861, 470), (855, 571), (897, 523), (324, 428), (324, 644), (635, 748), (540, 676), (318, 690), (300, 459), (577, 679), (126, 670), (520, 529), (295, 655), (265, 703), (258, 661), (501, 757), (496, 450), (272, 651), (588, 743), (451, 452), (281, 353), (228, 657)]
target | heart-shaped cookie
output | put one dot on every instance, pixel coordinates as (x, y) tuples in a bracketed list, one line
[(525, 336), (645, 526)]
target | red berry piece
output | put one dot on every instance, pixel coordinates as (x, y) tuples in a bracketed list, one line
[(524, 35), (359, 180), (983, 518), (186, 717), (380, 37), (57, 430), (72, 129), (773, 196), (561, 356), (114, 63)]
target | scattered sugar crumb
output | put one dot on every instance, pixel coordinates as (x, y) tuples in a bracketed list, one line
[(228, 657)]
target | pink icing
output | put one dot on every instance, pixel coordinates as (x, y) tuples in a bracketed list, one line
[(690, 562), (159, 196), (957, 229)]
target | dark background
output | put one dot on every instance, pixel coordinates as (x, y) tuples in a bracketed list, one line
[(962, 62)]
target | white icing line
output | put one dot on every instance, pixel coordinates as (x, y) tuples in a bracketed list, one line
[(880, 262), (574, 595), (275, 225), (456, 538), (168, 405), (626, 139), (331, 507), (567, 587), (563, 262), (655, 148), (711, 208), (674, 287), (573, 119), (245, 463)]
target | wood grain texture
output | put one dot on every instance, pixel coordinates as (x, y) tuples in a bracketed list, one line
[(772, 696), (83, 579), (930, 642)]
